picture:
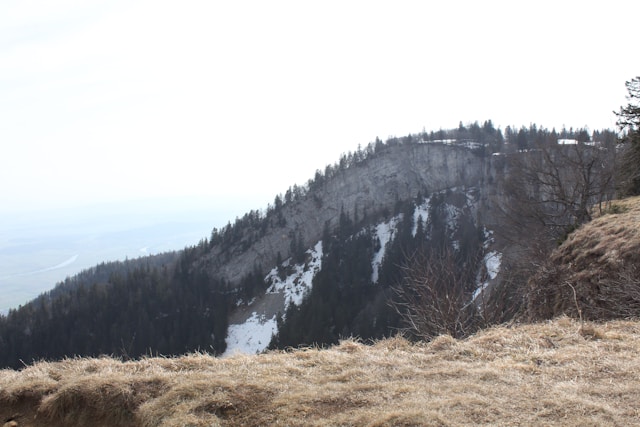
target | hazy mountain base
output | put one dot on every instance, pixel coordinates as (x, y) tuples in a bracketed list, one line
[(40, 249), (555, 373)]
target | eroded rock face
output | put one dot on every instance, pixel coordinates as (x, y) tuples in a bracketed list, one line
[(372, 187)]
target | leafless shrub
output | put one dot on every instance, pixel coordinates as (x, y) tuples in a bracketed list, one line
[(436, 296), (503, 301)]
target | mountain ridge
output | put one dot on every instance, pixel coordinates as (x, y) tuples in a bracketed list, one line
[(188, 302), (369, 188)]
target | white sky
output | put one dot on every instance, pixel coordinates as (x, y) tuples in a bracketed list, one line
[(121, 99)]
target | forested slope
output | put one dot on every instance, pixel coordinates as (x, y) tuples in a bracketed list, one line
[(184, 301)]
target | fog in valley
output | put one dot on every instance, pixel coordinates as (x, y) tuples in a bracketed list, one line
[(39, 249)]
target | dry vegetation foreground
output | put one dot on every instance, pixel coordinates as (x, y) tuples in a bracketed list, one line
[(554, 373), (596, 270)]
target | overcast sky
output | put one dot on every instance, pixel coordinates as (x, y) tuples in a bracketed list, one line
[(120, 100)]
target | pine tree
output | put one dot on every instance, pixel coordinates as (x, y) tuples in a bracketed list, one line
[(629, 124)]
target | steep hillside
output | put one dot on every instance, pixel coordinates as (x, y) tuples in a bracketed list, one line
[(326, 260), (595, 273), (345, 285), (232, 278), (386, 186), (371, 186), (559, 373)]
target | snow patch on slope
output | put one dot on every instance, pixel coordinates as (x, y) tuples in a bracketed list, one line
[(384, 233), (463, 143), (297, 284), (252, 336), (421, 211), (492, 261)]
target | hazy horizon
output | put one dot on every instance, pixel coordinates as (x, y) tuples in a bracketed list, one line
[(107, 101), (218, 107), (42, 248)]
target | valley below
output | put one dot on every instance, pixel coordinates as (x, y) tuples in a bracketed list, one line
[(40, 249)]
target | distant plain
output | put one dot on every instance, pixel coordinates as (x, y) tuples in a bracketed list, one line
[(40, 249)]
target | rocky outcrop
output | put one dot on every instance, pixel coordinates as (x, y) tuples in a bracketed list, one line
[(370, 187)]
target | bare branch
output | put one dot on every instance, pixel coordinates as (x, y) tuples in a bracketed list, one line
[(435, 296)]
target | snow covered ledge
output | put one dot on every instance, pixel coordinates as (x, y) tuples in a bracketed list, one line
[(254, 334)]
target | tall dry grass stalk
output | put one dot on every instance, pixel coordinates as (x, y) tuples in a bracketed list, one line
[(539, 374)]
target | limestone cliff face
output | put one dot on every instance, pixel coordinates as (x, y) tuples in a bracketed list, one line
[(371, 187)]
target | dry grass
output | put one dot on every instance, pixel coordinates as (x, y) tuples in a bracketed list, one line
[(598, 267), (607, 242), (553, 373)]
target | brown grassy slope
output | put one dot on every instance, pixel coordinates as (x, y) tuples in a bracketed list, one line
[(539, 374), (596, 270)]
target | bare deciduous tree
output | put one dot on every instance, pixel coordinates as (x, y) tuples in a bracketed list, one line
[(551, 190)]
